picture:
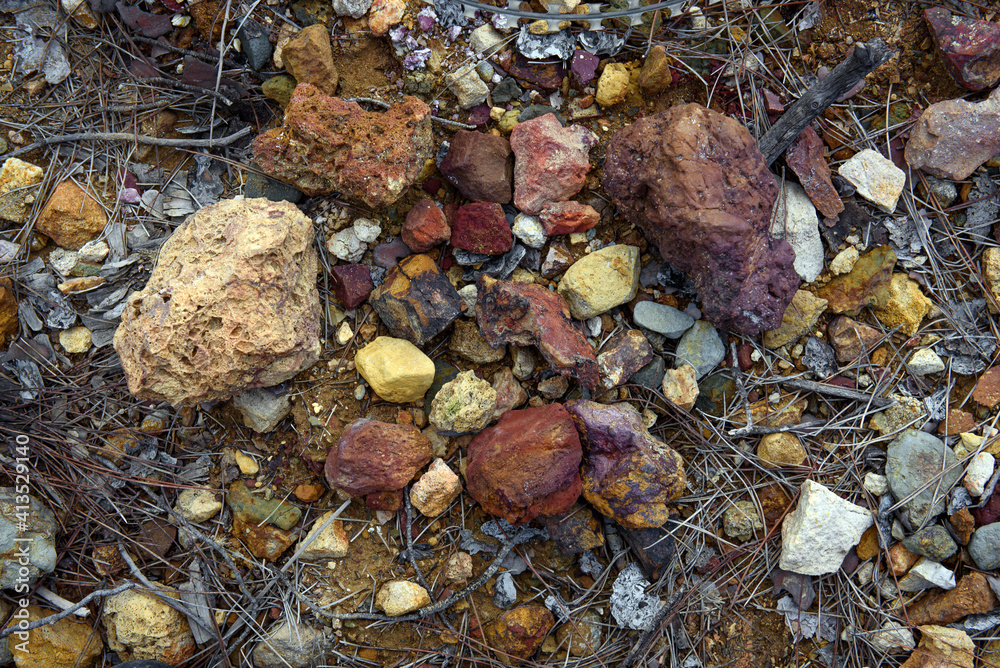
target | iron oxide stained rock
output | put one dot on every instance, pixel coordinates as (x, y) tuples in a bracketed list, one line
[(528, 464), (351, 283), (628, 475), (568, 217), (373, 457), (416, 302), (970, 49), (575, 531), (231, 305), (529, 315), (951, 139), (309, 58), (425, 227), (327, 145), (551, 161), (850, 292), (625, 353), (481, 227), (695, 183), (517, 634), (481, 166), (805, 157)]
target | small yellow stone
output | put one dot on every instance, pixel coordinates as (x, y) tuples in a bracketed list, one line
[(246, 463), (396, 369), (612, 87), (781, 449), (75, 339)]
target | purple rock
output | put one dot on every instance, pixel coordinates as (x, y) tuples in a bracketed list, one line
[(426, 18), (970, 49), (584, 67), (388, 254), (416, 59), (480, 115), (351, 283)]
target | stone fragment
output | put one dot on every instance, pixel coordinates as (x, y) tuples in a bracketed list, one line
[(701, 347), (551, 162), (623, 355), (262, 409), (680, 386), (631, 606), (517, 634), (600, 281), (255, 509), (280, 89), (481, 228), (987, 390), (374, 456), (876, 178), (256, 43), (849, 293), (795, 221), (19, 181), (850, 338), (907, 412), (628, 475), (662, 319), (583, 67), (400, 597), (972, 596), (71, 217), (817, 535), (820, 358), (892, 638), (75, 339), (329, 543), (876, 484), (353, 8), (899, 560), (528, 464), (351, 243), (527, 314), (805, 158), (67, 642), (582, 635), (951, 139), (964, 525), (425, 226), (917, 460), (463, 406), (557, 260), (924, 362), (741, 520), (351, 284), (309, 58), (956, 421), (467, 342), (467, 86), (459, 567), (553, 387), (529, 230), (140, 626), (290, 645), (197, 505), (384, 14), (984, 547), (26, 525), (932, 542), (655, 75), (969, 49), (396, 369), (568, 218), (435, 490), (485, 40), (926, 574), (416, 302), (510, 394), (247, 464), (799, 319), (327, 145), (844, 261), (576, 531), (942, 647), (978, 473), (781, 449), (480, 165), (902, 304), (613, 85), (695, 183), (990, 264)]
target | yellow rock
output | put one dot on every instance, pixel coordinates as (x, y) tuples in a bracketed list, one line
[(400, 597), (612, 87), (598, 282), (246, 463), (17, 189), (66, 643), (396, 369), (680, 386), (942, 646), (141, 626), (798, 320), (991, 276), (781, 449), (901, 303), (75, 339)]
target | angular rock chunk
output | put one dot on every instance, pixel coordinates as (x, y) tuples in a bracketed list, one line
[(942, 647), (552, 162), (628, 475), (425, 226), (141, 626), (805, 157), (481, 166), (970, 49), (517, 634), (600, 281), (328, 145), (972, 596), (527, 314), (482, 228), (72, 216), (568, 217), (416, 302), (918, 461), (625, 353), (849, 293), (309, 58), (851, 338), (877, 178), (231, 305), (396, 369), (373, 457), (694, 181), (351, 284), (818, 534), (951, 139)]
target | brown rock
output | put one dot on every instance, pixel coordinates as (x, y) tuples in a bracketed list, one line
[(264, 541), (466, 341), (425, 226), (969, 49), (850, 292), (231, 305), (624, 354), (551, 162), (309, 493), (850, 338), (527, 314), (805, 157), (309, 58), (517, 634), (942, 647), (416, 302), (527, 465), (786, 411), (328, 145), (987, 390), (971, 596), (568, 217), (655, 76), (900, 560), (781, 449), (956, 422), (481, 166), (8, 311), (72, 216), (964, 525), (774, 502), (373, 456), (951, 139), (869, 545), (510, 394), (66, 643)]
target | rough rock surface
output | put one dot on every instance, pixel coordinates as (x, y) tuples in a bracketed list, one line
[(971, 596), (19, 181), (528, 314), (261, 408), (416, 302), (851, 338), (326, 144), (481, 228), (694, 181), (805, 157), (517, 634), (197, 505), (942, 647), (984, 547), (351, 284), (915, 459), (289, 646), (309, 58), (951, 139), (628, 475), (330, 543), (255, 509), (818, 534), (799, 319), (623, 355), (400, 597), (481, 166), (467, 342), (40, 529), (551, 161), (425, 226), (436, 489), (849, 293), (567, 218), (662, 318), (680, 386), (601, 280), (231, 305), (902, 304), (396, 369), (795, 221), (141, 626), (969, 49), (463, 406), (374, 456), (781, 449), (68, 642), (72, 216), (876, 177), (528, 464)]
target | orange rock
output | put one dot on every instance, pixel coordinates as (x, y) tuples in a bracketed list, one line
[(517, 634), (964, 524), (868, 547), (987, 390), (309, 493), (971, 596), (958, 421), (264, 541), (72, 216), (66, 643), (901, 560), (8, 311), (309, 58)]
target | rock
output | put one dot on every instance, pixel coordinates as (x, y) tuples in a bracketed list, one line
[(551, 162), (256, 43), (330, 543), (34, 534), (557, 260), (899, 560), (71, 217), (435, 490), (384, 14), (504, 591), (309, 58), (416, 302), (467, 86), (529, 230), (351, 243), (850, 339), (568, 217), (924, 362), (799, 319), (662, 319), (353, 8), (19, 181), (255, 509), (400, 597), (373, 457), (655, 76), (964, 525), (907, 412), (485, 40), (517, 634), (951, 139), (481, 228), (510, 394), (631, 606), (225, 310), (805, 158), (984, 547), (942, 647), (480, 165), (990, 264), (969, 49), (926, 574), (524, 362), (327, 145), (979, 473), (741, 520), (527, 465), (197, 505), (876, 484), (141, 626), (613, 85), (583, 635), (463, 406), (576, 531), (553, 387), (309, 493), (351, 284), (987, 390), (467, 342), (75, 339), (972, 596), (459, 567), (795, 221), (818, 534), (820, 358), (781, 449), (528, 314), (932, 542), (680, 386), (623, 355), (290, 645), (956, 421), (67, 642), (849, 293), (443, 373), (902, 304), (600, 281), (701, 347), (876, 178), (695, 183), (845, 261), (583, 66), (279, 89), (396, 369), (915, 460), (425, 226), (892, 638), (628, 475)]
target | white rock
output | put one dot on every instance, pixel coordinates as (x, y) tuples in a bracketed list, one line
[(469, 294), (63, 261), (331, 543), (528, 229), (353, 8), (344, 333), (925, 361), (346, 246), (400, 597), (485, 40), (865, 573), (366, 230), (795, 220), (845, 260), (876, 484), (94, 251), (893, 638), (197, 505), (261, 409), (288, 646), (877, 179), (979, 473), (818, 534), (927, 574)]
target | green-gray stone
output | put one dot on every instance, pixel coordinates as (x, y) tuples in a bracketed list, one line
[(715, 393), (932, 542), (443, 373), (918, 460), (254, 509), (701, 347)]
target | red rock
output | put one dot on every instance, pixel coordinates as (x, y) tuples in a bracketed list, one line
[(805, 157), (850, 292), (482, 228), (425, 226), (628, 475), (384, 14), (989, 512), (327, 145), (958, 421), (547, 76), (529, 315), (970, 49), (987, 390), (387, 255), (850, 338), (568, 217), (351, 284), (951, 139), (388, 501), (481, 166), (696, 185), (517, 634), (527, 465), (373, 456), (510, 394), (309, 58), (972, 596), (416, 302), (551, 161)]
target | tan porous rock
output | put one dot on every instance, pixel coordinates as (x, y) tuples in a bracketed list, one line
[(141, 626)]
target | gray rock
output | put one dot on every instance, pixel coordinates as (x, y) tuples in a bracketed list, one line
[(818, 534), (945, 191), (820, 358), (256, 42), (506, 90), (258, 185), (651, 375), (353, 8), (916, 459), (631, 606), (289, 646), (984, 548), (701, 347), (933, 542), (893, 638), (467, 86), (262, 409), (34, 522), (927, 574), (504, 592), (795, 220), (485, 71), (661, 318)]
